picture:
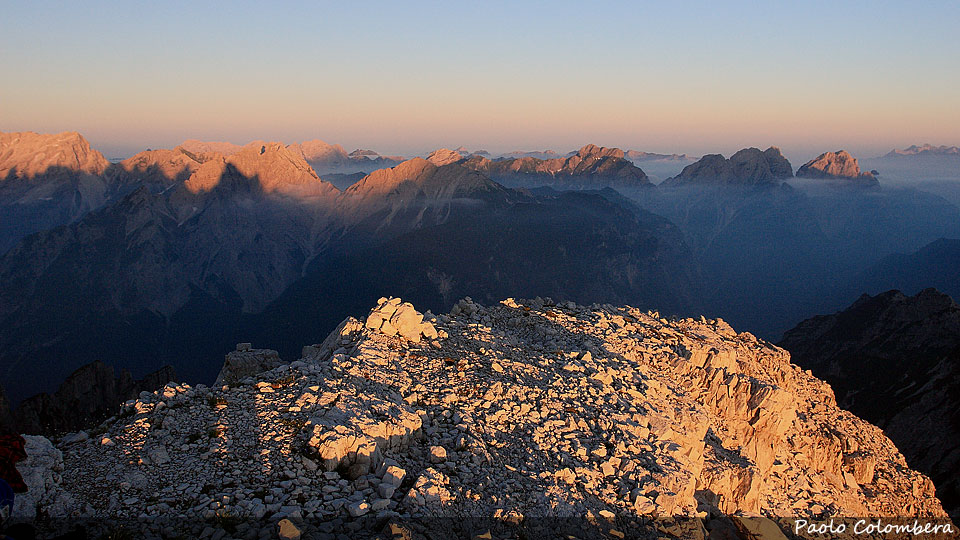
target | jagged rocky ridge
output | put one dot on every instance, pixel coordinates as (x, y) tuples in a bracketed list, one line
[(87, 396), (323, 157), (910, 347), (52, 180), (591, 167), (517, 410), (48, 180)]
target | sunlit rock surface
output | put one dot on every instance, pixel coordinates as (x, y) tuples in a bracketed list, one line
[(894, 360), (519, 410), (839, 165)]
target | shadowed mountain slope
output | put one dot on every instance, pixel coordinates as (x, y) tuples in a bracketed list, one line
[(159, 272), (570, 246), (48, 180), (167, 276), (936, 265)]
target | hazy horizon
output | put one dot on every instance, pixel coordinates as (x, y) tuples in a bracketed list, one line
[(694, 78)]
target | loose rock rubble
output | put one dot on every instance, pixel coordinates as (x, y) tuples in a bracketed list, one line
[(522, 410)]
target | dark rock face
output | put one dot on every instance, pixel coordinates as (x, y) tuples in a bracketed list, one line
[(155, 274), (89, 394), (839, 165), (894, 360), (246, 362), (592, 167), (749, 166)]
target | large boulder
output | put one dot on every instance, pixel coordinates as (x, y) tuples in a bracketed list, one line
[(342, 336), (246, 362), (394, 317), (41, 473)]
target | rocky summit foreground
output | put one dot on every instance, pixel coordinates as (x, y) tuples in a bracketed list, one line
[(513, 413)]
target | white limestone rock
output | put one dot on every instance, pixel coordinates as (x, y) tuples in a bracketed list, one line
[(41, 472)]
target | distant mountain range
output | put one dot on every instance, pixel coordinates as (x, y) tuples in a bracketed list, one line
[(177, 254), (925, 150), (751, 166), (203, 245), (637, 156), (324, 158), (542, 154)]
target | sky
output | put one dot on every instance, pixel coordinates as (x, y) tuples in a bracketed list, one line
[(407, 77)]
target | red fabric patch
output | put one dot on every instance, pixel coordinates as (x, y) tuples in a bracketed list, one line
[(11, 451)]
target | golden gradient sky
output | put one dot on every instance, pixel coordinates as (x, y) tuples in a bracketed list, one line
[(405, 78)]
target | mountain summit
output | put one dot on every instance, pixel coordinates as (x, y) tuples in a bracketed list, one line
[(749, 166), (273, 167), (444, 156), (839, 165), (279, 169), (27, 154), (525, 408), (48, 180), (416, 189)]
